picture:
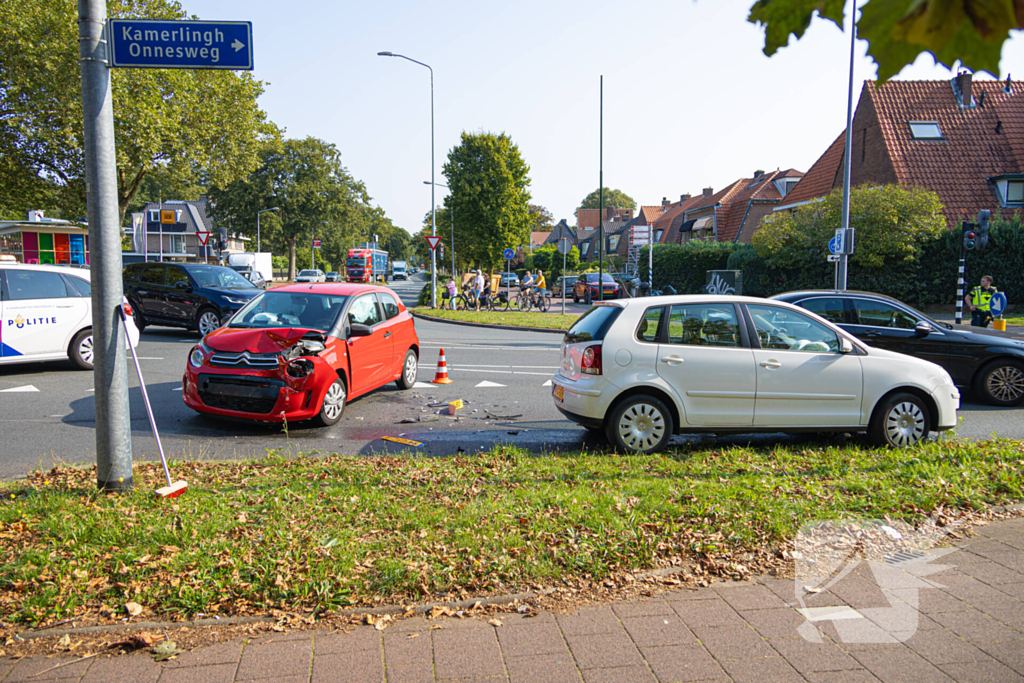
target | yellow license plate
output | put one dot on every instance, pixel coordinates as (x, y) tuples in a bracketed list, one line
[(559, 392)]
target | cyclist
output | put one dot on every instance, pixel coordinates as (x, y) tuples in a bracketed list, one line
[(527, 284), (478, 287)]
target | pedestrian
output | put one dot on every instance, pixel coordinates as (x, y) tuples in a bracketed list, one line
[(978, 301), (448, 295), (478, 287)]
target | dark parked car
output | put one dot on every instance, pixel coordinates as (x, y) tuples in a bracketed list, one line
[(561, 283), (190, 295), (990, 363), (334, 276), (585, 287)]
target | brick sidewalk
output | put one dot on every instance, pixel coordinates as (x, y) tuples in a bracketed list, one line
[(972, 629)]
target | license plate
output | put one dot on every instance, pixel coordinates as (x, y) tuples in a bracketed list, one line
[(559, 392)]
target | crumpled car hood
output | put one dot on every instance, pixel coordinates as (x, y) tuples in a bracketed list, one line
[(236, 340)]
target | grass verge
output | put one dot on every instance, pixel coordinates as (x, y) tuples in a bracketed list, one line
[(1014, 321), (320, 534), (553, 321)]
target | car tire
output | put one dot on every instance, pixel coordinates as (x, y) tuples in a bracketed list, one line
[(640, 423), (1001, 383), (140, 322), (207, 321), (80, 350), (410, 366), (575, 299), (333, 405), (900, 421)]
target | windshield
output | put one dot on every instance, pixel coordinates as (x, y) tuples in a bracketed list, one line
[(307, 272), (216, 276), (355, 262), (290, 309), (592, 277)]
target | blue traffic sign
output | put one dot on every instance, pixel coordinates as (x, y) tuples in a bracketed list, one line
[(832, 246), (509, 254), (997, 304), (153, 44)]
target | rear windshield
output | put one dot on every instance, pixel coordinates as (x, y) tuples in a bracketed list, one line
[(607, 278), (592, 325)]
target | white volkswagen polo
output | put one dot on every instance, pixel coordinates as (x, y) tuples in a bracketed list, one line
[(46, 314), (641, 370)]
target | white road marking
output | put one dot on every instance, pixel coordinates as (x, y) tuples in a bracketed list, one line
[(28, 388), (485, 383), (546, 384), (424, 385), (176, 389), (530, 367), (149, 358)]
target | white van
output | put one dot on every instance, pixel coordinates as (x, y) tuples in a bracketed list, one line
[(46, 314)]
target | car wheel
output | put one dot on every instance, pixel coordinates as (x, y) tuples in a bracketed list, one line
[(81, 351), (1001, 383), (575, 299), (208, 321), (642, 424), (900, 421), (140, 322), (333, 405), (409, 369)]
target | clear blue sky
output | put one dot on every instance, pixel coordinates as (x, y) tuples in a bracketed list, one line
[(690, 100)]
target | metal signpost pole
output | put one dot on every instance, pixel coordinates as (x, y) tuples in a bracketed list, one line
[(600, 195), (961, 281), (110, 365), (563, 283), (847, 160)]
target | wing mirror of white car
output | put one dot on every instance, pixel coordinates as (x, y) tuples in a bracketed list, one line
[(923, 329), (845, 345)]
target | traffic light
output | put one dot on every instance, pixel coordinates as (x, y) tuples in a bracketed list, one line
[(983, 228), (970, 237)]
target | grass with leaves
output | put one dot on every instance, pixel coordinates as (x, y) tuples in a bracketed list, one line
[(325, 533), (1014, 321), (552, 321)]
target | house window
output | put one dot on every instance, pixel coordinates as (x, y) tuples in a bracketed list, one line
[(657, 236), (613, 242), (1015, 192), (925, 130), (177, 244), (154, 215), (586, 248)]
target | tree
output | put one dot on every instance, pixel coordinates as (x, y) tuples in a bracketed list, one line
[(315, 192), (549, 260), (200, 126), (969, 31), (612, 199), (892, 223), (541, 219), (490, 196)]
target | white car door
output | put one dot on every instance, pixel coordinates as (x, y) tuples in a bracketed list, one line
[(706, 362), (40, 315), (803, 379)]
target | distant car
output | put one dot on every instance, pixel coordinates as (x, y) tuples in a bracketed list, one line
[(253, 276), (991, 363), (332, 276), (315, 275), (191, 295), (563, 283), (585, 288), (509, 280), (300, 353), (46, 314)]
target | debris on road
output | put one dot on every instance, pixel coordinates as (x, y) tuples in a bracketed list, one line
[(421, 418), (503, 417)]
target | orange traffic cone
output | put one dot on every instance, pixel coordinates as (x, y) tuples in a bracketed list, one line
[(442, 371)]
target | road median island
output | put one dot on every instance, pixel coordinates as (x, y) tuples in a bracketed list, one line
[(316, 536), (502, 319)]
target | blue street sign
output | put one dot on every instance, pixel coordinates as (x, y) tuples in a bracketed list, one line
[(832, 246), (997, 304), (509, 254), (152, 44)]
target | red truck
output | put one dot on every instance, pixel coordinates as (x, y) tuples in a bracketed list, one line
[(366, 265)]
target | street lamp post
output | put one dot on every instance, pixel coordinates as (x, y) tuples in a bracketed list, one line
[(452, 212), (433, 208), (274, 208)]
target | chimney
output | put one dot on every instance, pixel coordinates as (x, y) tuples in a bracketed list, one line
[(758, 173), (962, 89), (708, 191), (35, 216), (664, 201)]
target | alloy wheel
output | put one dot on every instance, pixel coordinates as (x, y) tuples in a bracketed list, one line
[(208, 322), (641, 426), (85, 351), (411, 366), (334, 401), (905, 423), (1006, 383)]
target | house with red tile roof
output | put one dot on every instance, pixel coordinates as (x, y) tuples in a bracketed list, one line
[(588, 220), (962, 139)]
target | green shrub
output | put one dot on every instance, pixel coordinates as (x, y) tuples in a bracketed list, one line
[(424, 297), (685, 266)]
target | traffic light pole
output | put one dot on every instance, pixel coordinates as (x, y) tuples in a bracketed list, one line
[(961, 276)]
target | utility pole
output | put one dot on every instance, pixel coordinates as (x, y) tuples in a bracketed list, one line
[(110, 364), (844, 258), (600, 200)]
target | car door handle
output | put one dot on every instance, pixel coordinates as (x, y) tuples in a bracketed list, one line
[(771, 364), (387, 334), (672, 360)]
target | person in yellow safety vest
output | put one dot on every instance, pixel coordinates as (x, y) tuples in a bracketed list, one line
[(978, 300)]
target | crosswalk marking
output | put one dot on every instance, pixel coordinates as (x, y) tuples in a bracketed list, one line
[(19, 390), (485, 383)]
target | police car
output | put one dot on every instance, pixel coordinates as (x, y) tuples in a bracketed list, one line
[(46, 314)]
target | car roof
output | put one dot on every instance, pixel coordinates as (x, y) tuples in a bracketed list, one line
[(804, 293), (695, 299), (83, 273), (336, 288)]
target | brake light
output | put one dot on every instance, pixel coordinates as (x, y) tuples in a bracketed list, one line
[(127, 308), (590, 364)]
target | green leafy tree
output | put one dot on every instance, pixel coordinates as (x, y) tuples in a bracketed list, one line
[(892, 223), (969, 31), (490, 196), (549, 260), (612, 199), (542, 219), (199, 126), (315, 192)]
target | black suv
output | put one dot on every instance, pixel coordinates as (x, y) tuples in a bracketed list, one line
[(191, 295)]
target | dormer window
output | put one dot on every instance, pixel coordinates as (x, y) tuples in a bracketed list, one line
[(1015, 192), (925, 130)]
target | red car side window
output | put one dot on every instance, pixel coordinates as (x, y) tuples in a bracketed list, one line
[(389, 305)]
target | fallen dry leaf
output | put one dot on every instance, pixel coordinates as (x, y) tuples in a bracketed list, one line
[(134, 609), (494, 622)]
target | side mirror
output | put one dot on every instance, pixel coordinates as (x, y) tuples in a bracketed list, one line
[(182, 285), (845, 345), (923, 329), (359, 330)]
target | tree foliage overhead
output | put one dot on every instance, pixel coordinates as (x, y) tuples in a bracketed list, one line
[(314, 191), (612, 199), (490, 196), (541, 219), (969, 31), (550, 261), (200, 126)]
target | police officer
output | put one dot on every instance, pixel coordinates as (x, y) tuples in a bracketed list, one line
[(978, 300)]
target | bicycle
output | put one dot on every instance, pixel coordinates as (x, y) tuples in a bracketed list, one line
[(543, 301), (498, 302), (524, 302)]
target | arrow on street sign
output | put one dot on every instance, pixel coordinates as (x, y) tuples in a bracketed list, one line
[(433, 242), (238, 45), (833, 258), (203, 237)]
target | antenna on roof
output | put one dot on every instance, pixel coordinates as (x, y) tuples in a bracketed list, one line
[(981, 99), (1006, 88)]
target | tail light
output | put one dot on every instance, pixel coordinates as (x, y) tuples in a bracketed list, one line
[(127, 308), (590, 364)]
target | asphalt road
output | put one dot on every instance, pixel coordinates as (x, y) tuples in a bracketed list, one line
[(47, 412)]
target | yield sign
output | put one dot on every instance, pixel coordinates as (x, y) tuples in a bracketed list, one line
[(433, 242), (203, 236)]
